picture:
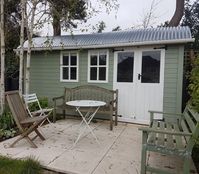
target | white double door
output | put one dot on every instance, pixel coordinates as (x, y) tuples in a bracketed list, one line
[(139, 77)]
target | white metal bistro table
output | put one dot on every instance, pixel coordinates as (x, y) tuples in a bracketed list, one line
[(93, 106)]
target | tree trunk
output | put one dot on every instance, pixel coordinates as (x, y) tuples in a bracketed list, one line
[(22, 49), (56, 25), (29, 34), (2, 58), (178, 14)]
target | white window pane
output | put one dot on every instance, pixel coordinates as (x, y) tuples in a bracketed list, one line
[(150, 67), (93, 59), (102, 59), (65, 60), (102, 73), (125, 67), (73, 59), (73, 72), (93, 73), (65, 73)]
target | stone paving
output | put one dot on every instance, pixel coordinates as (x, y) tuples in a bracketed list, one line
[(119, 151)]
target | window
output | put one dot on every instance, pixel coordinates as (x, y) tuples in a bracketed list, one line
[(69, 67), (125, 63), (98, 66), (150, 67)]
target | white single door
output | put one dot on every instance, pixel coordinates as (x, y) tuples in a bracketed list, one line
[(145, 90)]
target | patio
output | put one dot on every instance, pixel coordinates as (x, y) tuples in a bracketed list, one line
[(119, 151)]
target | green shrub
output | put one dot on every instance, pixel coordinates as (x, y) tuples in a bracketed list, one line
[(7, 125), (6, 120), (194, 85), (14, 166), (43, 102)]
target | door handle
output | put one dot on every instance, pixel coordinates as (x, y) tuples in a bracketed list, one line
[(139, 76)]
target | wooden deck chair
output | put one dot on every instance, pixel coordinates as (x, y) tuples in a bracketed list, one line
[(25, 123), (32, 99)]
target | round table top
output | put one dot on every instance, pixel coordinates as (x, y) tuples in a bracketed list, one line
[(85, 103)]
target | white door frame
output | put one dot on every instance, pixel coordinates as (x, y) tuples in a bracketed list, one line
[(138, 61)]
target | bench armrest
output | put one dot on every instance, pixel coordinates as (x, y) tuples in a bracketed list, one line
[(148, 130), (179, 115), (57, 98)]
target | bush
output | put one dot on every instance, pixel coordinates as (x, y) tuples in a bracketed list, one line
[(194, 85), (43, 102), (7, 125), (14, 166)]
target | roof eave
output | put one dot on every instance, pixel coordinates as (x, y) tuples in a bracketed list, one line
[(177, 41)]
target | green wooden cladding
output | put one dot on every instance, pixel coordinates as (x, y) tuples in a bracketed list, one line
[(45, 75)]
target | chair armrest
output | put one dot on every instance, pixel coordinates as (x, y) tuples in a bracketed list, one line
[(148, 130)]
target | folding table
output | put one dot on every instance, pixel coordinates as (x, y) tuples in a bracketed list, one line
[(93, 106)]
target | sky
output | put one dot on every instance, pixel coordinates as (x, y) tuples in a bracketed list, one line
[(129, 14)]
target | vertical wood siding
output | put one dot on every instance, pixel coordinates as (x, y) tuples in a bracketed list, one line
[(173, 79)]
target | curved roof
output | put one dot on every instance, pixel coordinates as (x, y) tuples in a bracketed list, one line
[(134, 37)]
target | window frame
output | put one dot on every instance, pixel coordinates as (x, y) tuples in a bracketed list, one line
[(97, 52), (69, 66)]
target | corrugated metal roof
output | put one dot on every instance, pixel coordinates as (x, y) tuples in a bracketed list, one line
[(161, 35)]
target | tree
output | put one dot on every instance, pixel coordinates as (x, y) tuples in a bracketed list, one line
[(64, 12), (175, 20), (67, 13), (191, 19), (118, 28), (99, 27), (12, 32), (21, 56), (2, 98)]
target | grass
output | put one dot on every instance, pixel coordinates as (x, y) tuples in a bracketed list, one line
[(13, 166)]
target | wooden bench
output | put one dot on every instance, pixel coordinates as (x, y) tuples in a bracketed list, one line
[(174, 134), (89, 92)]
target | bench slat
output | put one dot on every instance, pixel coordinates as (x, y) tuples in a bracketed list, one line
[(194, 114), (169, 138), (185, 129), (189, 121), (152, 136), (161, 139), (178, 139)]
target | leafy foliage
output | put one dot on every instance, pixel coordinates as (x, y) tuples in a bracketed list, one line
[(14, 166), (65, 12), (43, 102), (194, 85), (191, 19), (7, 125)]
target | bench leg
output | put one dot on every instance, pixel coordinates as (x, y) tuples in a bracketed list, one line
[(54, 115), (144, 153), (186, 165), (116, 119), (64, 113), (111, 120)]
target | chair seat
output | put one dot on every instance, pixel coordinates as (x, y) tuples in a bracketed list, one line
[(34, 119), (42, 111)]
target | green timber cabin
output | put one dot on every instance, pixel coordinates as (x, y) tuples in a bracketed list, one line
[(145, 65)]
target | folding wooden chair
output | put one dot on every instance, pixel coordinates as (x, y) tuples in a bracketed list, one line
[(32, 99), (25, 123)]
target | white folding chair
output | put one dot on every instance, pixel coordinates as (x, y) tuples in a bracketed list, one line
[(32, 98)]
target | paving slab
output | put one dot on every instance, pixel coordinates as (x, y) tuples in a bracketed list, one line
[(119, 151)]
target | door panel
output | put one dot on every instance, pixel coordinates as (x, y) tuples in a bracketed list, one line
[(124, 65), (139, 78)]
